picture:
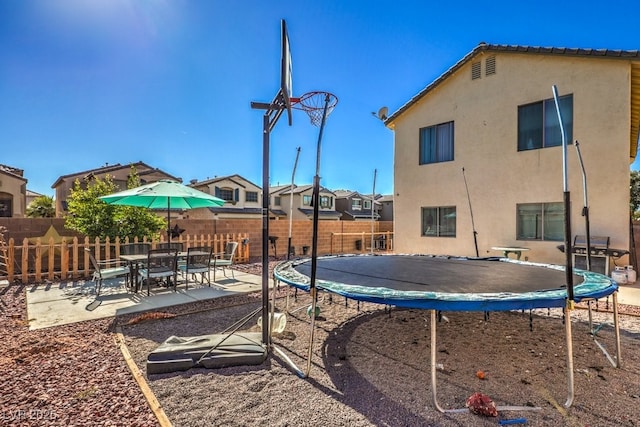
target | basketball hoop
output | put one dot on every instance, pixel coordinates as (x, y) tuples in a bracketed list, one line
[(313, 104)]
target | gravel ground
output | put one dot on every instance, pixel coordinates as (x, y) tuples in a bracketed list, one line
[(370, 367)]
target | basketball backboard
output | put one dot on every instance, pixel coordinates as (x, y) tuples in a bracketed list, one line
[(285, 72)]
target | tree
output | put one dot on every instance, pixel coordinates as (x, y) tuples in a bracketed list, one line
[(41, 207), (634, 202), (91, 216)]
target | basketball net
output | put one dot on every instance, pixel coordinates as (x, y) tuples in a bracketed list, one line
[(313, 104)]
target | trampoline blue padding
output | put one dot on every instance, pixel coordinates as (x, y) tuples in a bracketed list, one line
[(444, 282)]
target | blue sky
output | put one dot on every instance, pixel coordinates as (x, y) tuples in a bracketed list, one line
[(84, 83)]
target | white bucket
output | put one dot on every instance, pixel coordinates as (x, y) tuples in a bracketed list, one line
[(278, 322), (631, 274), (619, 274)]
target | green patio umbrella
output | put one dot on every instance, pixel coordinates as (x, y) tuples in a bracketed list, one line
[(164, 194)]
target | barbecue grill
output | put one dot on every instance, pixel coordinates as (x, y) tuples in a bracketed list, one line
[(600, 253)]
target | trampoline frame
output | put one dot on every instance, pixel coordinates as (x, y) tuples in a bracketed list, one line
[(285, 273)]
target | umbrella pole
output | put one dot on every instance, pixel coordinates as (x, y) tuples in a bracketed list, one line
[(169, 219)]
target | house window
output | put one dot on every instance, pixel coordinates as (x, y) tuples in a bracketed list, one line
[(326, 202), (6, 208), (306, 200), (540, 221), (367, 204), (277, 200), (225, 194), (538, 125), (356, 204), (439, 221), (251, 196), (436, 143)]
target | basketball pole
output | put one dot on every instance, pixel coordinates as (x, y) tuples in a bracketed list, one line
[(273, 112)]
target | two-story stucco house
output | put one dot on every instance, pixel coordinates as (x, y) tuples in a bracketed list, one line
[(13, 190), (281, 197), (479, 150), (355, 206), (118, 172), (243, 198)]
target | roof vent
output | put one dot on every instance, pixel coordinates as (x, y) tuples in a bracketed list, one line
[(475, 71), (490, 65)]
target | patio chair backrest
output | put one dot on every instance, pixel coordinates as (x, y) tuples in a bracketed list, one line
[(135, 248), (200, 255), (94, 262), (162, 259), (230, 250), (171, 245)]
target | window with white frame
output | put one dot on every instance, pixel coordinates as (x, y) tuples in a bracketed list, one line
[(356, 204), (367, 204), (326, 202), (436, 144), (439, 221), (540, 221), (538, 125), (306, 200), (277, 200)]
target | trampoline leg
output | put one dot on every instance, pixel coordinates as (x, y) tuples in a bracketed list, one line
[(617, 328), (567, 326), (432, 344)]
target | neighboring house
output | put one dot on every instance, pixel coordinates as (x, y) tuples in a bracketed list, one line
[(494, 115), (355, 206), (281, 197), (119, 173), (31, 196), (384, 205), (243, 198), (13, 189)]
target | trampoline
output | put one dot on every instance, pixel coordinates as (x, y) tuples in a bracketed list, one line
[(446, 283)]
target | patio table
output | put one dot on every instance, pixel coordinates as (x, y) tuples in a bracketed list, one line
[(136, 260)]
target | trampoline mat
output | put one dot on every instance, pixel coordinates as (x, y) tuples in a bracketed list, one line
[(445, 283)]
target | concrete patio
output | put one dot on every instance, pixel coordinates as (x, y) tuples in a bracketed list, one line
[(60, 303)]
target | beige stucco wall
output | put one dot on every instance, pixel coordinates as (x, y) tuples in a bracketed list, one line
[(15, 189), (498, 176)]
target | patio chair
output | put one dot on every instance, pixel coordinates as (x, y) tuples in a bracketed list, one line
[(161, 264), (198, 262), (225, 259), (106, 270), (171, 245), (134, 249)]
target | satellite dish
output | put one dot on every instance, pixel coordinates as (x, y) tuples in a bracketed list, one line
[(382, 113)]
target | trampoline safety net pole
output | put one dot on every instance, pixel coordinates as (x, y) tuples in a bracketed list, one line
[(568, 251), (567, 204), (314, 239)]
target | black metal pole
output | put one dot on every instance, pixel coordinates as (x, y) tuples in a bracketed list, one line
[(293, 177), (265, 228), (316, 202), (585, 209), (567, 244), (315, 198), (473, 226)]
